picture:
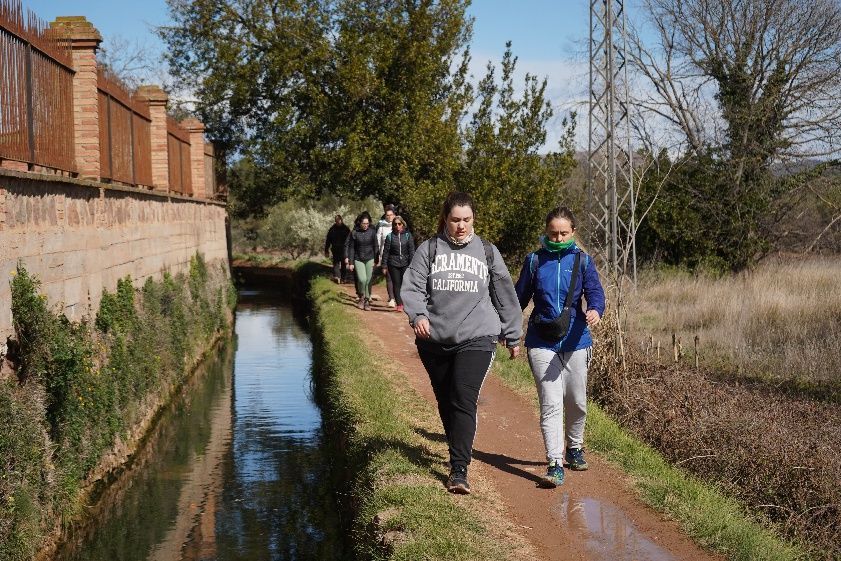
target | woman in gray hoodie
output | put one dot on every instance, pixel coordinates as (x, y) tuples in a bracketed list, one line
[(460, 300)]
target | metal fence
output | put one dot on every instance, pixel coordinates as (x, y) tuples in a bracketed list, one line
[(210, 178), (36, 91), (125, 142), (178, 144)]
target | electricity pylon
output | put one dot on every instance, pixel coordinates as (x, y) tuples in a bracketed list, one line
[(610, 177)]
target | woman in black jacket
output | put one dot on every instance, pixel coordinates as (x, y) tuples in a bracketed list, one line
[(362, 251), (398, 250)]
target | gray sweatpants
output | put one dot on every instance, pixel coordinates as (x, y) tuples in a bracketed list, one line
[(561, 380)]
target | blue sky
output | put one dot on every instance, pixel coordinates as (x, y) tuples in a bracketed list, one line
[(545, 35)]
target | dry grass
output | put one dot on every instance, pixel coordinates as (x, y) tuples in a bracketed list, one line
[(779, 322), (778, 454)]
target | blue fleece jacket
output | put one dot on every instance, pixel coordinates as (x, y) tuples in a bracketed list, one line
[(549, 286)]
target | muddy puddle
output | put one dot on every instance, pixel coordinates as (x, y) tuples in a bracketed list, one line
[(607, 533)]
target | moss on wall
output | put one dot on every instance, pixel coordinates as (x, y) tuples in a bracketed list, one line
[(83, 389)]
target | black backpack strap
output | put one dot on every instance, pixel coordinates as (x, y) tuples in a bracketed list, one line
[(573, 280), (489, 259), (433, 252), (489, 253)]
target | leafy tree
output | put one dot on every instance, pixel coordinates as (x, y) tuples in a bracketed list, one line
[(258, 70), (396, 115), (367, 99), (354, 98), (513, 184)]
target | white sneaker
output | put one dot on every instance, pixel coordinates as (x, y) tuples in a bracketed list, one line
[(392, 303)]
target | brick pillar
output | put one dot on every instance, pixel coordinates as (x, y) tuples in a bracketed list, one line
[(196, 130), (84, 41), (157, 100)]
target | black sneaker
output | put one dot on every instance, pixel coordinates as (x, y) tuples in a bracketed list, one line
[(457, 482), (575, 459)]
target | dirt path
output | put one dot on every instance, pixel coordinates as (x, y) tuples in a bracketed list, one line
[(594, 516)]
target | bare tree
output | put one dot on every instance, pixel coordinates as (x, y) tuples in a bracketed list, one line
[(768, 70), (741, 86), (133, 62)]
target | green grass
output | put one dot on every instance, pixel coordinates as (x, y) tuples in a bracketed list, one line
[(379, 428), (713, 520)]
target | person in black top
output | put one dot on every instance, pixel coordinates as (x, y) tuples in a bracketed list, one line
[(362, 255), (398, 250), (335, 243)]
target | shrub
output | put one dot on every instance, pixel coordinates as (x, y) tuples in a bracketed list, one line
[(298, 227), (25, 488)]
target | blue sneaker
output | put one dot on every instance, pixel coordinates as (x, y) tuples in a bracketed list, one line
[(575, 459), (554, 476)]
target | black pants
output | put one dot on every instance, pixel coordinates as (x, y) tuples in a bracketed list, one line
[(339, 267), (389, 283), (456, 380), (396, 274)]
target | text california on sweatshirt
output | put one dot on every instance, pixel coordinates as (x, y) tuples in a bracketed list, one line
[(454, 293)]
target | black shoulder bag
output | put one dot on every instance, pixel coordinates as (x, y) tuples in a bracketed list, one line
[(556, 329)]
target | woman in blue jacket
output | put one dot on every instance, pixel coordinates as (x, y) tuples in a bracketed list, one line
[(558, 338)]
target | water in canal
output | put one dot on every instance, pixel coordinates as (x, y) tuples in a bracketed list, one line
[(234, 468)]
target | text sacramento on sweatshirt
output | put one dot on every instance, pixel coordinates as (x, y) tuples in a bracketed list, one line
[(454, 293)]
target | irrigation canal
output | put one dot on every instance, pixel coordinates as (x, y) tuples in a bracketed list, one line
[(234, 467)]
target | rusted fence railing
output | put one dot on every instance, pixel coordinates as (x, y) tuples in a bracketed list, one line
[(36, 91), (125, 142), (178, 145), (211, 181)]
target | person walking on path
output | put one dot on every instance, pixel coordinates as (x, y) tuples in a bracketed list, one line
[(558, 340), (398, 250), (362, 256), (460, 301), (335, 244), (383, 230)]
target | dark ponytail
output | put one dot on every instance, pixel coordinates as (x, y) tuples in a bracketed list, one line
[(561, 212), (454, 199)]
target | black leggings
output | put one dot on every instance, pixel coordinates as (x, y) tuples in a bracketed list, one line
[(339, 267), (456, 380), (396, 275)]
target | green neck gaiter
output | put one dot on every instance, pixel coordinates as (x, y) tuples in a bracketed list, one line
[(558, 246)]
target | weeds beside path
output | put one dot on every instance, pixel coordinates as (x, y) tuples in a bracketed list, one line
[(760, 416)]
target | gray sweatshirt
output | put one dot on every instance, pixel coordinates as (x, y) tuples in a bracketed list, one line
[(455, 296)]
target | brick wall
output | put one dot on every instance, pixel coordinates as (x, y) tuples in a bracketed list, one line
[(79, 237)]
